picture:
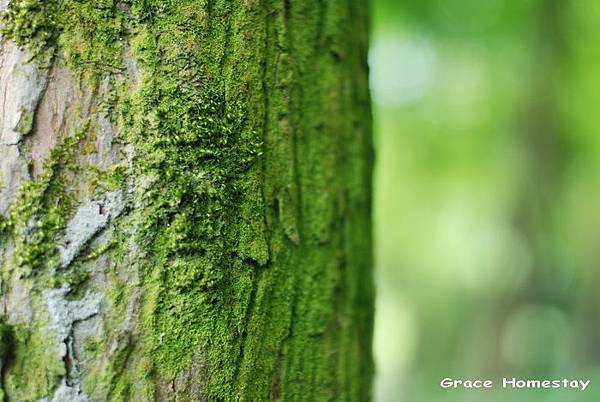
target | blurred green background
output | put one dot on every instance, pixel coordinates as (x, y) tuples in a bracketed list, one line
[(487, 205)]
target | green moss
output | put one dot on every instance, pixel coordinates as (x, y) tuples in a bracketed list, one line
[(6, 352), (92, 36), (4, 225), (6, 342), (88, 34), (31, 23), (41, 209), (200, 148), (92, 347), (36, 356), (103, 180), (25, 124)]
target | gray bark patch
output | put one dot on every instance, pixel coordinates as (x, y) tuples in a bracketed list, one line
[(87, 222), (64, 314), (67, 393), (22, 85)]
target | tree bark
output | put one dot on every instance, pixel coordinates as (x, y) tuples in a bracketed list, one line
[(185, 200)]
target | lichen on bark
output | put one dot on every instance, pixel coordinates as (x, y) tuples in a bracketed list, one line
[(238, 266)]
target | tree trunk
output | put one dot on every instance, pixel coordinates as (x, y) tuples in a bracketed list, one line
[(185, 200)]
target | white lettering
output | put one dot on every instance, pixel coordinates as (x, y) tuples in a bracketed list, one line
[(515, 383), (446, 383), (506, 381), (468, 384)]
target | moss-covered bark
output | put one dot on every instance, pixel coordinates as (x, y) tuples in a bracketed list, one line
[(187, 214)]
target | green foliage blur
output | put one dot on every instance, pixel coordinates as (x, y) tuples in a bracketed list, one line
[(487, 202)]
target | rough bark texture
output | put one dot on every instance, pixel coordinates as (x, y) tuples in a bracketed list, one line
[(185, 200)]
